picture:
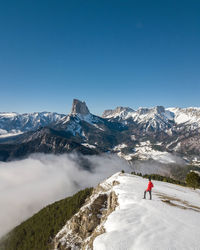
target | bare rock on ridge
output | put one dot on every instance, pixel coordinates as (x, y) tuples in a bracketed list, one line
[(82, 229), (79, 107)]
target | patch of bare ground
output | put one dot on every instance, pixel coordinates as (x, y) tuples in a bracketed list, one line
[(173, 201)]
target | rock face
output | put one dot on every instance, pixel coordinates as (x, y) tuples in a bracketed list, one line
[(81, 230), (79, 107)]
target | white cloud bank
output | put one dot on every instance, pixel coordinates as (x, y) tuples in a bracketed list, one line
[(28, 185)]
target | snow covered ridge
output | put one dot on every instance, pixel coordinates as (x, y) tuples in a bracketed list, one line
[(14, 123), (122, 131), (186, 115), (169, 221), (158, 113), (157, 118), (116, 217)]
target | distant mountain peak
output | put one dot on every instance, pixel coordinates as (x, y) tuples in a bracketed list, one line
[(79, 107), (111, 112)]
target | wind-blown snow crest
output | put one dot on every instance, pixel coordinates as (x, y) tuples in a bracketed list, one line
[(169, 221)]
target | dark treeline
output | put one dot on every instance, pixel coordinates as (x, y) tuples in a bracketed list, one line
[(192, 179), (36, 233)]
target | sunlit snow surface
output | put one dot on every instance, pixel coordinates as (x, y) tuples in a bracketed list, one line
[(9, 134), (139, 224)]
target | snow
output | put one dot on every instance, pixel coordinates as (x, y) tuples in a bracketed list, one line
[(127, 157), (8, 115), (182, 118), (186, 115), (74, 128), (89, 118), (139, 224), (65, 119), (3, 132), (98, 127), (88, 145), (142, 114), (144, 151), (133, 137), (158, 117), (169, 115), (10, 134), (119, 146), (13, 123), (145, 143)]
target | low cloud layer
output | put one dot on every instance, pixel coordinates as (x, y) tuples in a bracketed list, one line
[(28, 185)]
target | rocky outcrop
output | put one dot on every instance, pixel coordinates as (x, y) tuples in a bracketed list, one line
[(79, 107), (81, 230)]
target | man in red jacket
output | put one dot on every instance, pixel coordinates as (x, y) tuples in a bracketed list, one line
[(150, 186)]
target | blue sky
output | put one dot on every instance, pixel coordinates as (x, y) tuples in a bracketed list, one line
[(108, 53)]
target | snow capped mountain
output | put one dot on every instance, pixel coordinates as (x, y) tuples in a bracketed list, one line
[(147, 133), (14, 123), (81, 122), (187, 116), (123, 112), (80, 112), (148, 119), (79, 131), (157, 117), (116, 217), (72, 122)]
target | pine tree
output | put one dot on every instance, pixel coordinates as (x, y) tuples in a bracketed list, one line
[(193, 180)]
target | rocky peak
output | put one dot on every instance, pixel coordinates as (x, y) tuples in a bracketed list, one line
[(121, 109), (143, 111), (118, 110), (159, 109), (79, 107)]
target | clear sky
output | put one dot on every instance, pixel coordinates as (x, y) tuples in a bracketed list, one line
[(106, 52)]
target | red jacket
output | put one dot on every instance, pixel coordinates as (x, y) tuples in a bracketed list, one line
[(150, 185)]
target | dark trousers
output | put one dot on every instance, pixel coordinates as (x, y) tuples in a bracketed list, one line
[(149, 194)]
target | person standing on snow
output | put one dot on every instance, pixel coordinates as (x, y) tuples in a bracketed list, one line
[(150, 186)]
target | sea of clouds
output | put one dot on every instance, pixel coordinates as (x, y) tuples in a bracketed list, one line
[(28, 185)]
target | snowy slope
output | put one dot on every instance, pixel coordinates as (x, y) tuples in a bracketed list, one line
[(72, 122), (169, 221), (186, 115)]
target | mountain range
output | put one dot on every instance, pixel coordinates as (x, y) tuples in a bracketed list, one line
[(156, 133)]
